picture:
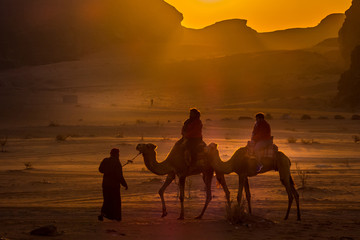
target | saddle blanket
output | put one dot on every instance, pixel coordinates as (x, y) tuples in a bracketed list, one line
[(268, 152)]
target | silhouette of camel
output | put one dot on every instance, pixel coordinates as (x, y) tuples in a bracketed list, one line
[(245, 167), (175, 164)]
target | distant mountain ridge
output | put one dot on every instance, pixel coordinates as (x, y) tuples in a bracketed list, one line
[(42, 31), (297, 38)]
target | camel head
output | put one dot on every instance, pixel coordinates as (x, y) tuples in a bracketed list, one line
[(212, 148), (142, 148)]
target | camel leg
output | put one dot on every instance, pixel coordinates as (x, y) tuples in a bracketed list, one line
[(241, 187), (248, 195), (296, 195), (221, 179), (170, 177), (182, 194), (207, 177), (287, 185)]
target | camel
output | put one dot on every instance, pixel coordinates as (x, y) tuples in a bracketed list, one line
[(245, 167), (175, 164)]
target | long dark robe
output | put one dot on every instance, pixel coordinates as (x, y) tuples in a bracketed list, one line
[(113, 177)]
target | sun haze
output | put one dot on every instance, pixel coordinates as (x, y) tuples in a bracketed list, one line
[(262, 15)]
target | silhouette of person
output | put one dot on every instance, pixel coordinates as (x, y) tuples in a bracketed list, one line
[(261, 137), (192, 134), (112, 179)]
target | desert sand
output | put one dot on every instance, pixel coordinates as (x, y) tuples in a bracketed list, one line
[(45, 181)]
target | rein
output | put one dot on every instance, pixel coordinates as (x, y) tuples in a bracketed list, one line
[(131, 160)]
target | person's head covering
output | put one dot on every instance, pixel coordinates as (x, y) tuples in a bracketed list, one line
[(194, 113), (260, 115), (114, 152)]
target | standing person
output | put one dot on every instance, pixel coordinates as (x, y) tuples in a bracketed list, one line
[(192, 134), (113, 177), (261, 137)]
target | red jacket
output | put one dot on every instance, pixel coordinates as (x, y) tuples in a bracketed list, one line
[(192, 128), (262, 131)]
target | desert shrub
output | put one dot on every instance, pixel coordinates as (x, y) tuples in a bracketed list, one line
[(308, 141), (139, 121), (292, 140), (61, 137), (268, 116), (355, 117), (53, 124), (228, 137), (144, 170), (303, 175), (208, 120), (356, 138), (286, 116), (339, 117), (305, 117), (236, 213), (3, 142), (28, 165)]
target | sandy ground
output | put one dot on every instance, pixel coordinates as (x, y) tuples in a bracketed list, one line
[(63, 187)]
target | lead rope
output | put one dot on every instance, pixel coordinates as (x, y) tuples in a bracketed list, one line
[(131, 160)]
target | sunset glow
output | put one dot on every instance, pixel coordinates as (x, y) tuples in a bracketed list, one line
[(261, 15)]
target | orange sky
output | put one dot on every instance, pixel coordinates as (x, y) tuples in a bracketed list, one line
[(262, 15)]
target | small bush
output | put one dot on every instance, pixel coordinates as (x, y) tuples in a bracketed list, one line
[(305, 117), (3, 142), (268, 116), (308, 141), (28, 165), (236, 213), (53, 124), (60, 137), (225, 119), (139, 121), (144, 170), (356, 138), (339, 117), (303, 175), (291, 140), (285, 117), (355, 117)]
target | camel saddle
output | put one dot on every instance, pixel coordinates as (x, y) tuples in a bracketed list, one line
[(200, 156), (267, 152)]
